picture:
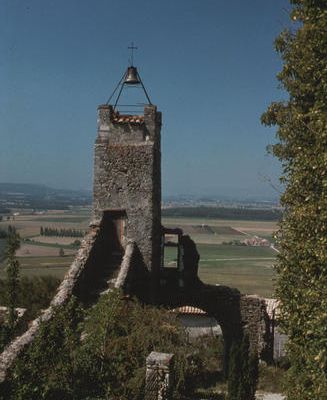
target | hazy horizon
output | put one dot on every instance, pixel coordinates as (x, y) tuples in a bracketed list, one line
[(165, 196)]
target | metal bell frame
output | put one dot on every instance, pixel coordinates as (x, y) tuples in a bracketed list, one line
[(131, 77)]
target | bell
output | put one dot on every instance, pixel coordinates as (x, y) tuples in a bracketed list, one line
[(131, 77)]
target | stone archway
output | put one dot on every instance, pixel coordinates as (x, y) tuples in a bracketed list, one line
[(237, 314)]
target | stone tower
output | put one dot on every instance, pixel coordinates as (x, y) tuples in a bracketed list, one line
[(127, 180)]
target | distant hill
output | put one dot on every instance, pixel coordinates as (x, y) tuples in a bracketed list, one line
[(23, 188), (35, 196), (33, 189)]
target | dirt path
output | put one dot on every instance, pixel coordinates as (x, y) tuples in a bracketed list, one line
[(240, 259), (269, 396)]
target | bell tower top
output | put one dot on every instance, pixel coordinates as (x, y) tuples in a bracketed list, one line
[(127, 170), (130, 79)]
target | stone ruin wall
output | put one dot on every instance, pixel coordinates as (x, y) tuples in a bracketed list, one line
[(75, 282), (127, 177), (234, 312)]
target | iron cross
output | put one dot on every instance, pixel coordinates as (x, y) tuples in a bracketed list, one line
[(132, 47)]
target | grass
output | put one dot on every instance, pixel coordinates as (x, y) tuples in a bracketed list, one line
[(52, 244), (249, 269), (41, 266), (74, 219), (256, 225), (271, 379), (208, 251)]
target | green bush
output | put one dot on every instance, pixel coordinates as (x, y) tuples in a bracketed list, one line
[(243, 371), (302, 141), (33, 294), (104, 356)]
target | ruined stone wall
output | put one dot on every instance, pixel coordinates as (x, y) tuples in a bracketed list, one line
[(78, 282), (64, 293), (256, 323), (237, 314), (127, 176)]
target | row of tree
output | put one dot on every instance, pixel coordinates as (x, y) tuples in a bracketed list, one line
[(62, 232), (11, 287), (224, 213), (30, 293)]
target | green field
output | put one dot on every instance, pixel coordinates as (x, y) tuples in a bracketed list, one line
[(41, 266), (247, 268), (63, 218)]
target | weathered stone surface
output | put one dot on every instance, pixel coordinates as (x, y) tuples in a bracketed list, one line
[(126, 266), (76, 282), (158, 377), (127, 177)]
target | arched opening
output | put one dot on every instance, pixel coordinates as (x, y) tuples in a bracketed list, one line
[(104, 261), (198, 323), (113, 226), (206, 342)]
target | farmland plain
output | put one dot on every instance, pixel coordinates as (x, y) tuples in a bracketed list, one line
[(247, 268), (222, 263), (39, 255)]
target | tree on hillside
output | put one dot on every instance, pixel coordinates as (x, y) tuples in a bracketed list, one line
[(12, 272), (242, 371), (11, 287), (302, 148)]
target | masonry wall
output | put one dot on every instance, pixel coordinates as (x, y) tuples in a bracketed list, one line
[(127, 176)]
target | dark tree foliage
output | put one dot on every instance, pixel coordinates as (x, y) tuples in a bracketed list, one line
[(34, 293), (234, 371), (12, 274), (223, 213), (242, 371), (7, 328), (101, 356), (302, 148), (47, 370), (62, 232)]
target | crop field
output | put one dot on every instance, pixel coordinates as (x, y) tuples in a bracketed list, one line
[(248, 268), (39, 255), (217, 231), (29, 226), (32, 250), (60, 241), (41, 266)]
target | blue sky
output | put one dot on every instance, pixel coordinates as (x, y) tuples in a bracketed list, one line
[(209, 65)]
